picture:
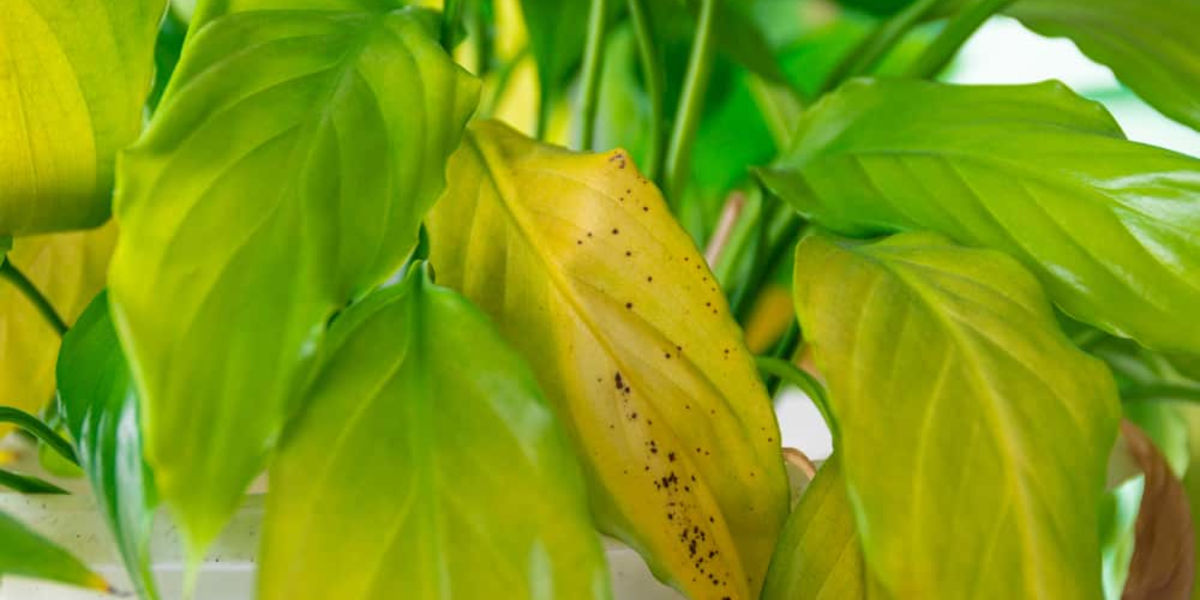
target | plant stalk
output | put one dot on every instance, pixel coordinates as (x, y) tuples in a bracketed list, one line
[(21, 282), (655, 80), (593, 63), (451, 15), (691, 105), (935, 58), (867, 54)]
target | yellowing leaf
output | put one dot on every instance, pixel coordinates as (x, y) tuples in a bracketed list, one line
[(75, 74), (68, 268), (577, 259), (973, 436)]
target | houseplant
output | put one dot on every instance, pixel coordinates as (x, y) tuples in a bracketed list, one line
[(458, 350)]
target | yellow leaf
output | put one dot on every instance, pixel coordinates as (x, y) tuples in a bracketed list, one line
[(580, 264), (73, 77), (69, 269)]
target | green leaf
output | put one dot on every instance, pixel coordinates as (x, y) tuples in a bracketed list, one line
[(75, 74), (285, 173), (953, 432), (474, 490), (1151, 46), (818, 556), (578, 261), (25, 553), (24, 484), (1118, 515), (557, 31), (1106, 224), (100, 405)]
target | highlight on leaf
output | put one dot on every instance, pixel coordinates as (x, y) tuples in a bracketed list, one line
[(577, 260)]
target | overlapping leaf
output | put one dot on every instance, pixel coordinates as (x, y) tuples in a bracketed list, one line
[(474, 489), (285, 172), (1106, 224), (75, 74), (98, 401), (1150, 46), (818, 556), (25, 553), (69, 269), (975, 470), (577, 259)]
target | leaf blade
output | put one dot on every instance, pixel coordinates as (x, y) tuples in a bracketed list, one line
[(99, 403), (928, 350), (632, 341), (25, 553), (435, 392), (1033, 170), (274, 174)]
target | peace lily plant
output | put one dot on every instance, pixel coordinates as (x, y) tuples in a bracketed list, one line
[(437, 271)]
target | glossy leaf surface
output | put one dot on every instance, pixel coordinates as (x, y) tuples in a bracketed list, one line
[(974, 471), (25, 553), (68, 269), (1106, 224), (474, 489), (578, 261), (99, 404), (75, 74), (818, 556), (1150, 46), (285, 172)]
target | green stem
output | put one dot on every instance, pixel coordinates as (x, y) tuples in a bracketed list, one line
[(953, 36), (1163, 391), (593, 63), (691, 105), (870, 51), (808, 384), (28, 485), (17, 278), (492, 97), (39, 430), (451, 15), (652, 73), (484, 38)]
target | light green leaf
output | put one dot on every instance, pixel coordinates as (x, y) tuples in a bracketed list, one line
[(1151, 45), (474, 489), (285, 173), (25, 553), (578, 261), (75, 74), (818, 556), (100, 406), (975, 470), (1118, 515), (207, 10), (1107, 225)]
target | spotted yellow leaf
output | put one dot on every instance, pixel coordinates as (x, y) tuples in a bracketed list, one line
[(580, 264)]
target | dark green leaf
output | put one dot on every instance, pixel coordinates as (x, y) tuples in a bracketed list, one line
[(285, 173), (557, 31), (953, 432), (25, 484), (1108, 225), (24, 553), (1151, 45), (473, 487), (100, 405)]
